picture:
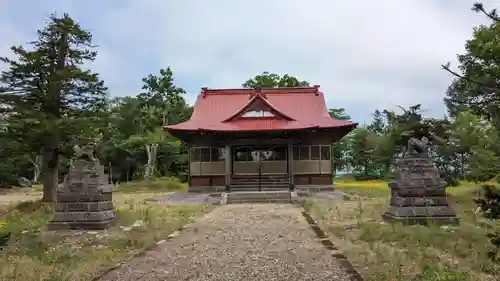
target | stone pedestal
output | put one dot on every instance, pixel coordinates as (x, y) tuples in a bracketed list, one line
[(418, 194), (85, 199)]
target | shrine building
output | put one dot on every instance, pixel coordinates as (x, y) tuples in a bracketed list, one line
[(260, 139)]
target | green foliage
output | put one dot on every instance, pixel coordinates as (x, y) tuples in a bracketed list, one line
[(56, 255), (497, 178), (396, 252), (363, 144), (272, 80), (162, 102), (489, 203), (48, 97), (476, 86), (431, 273), (451, 181), (494, 250), (51, 102), (339, 114), (45, 90), (162, 184), (340, 148), (484, 166)]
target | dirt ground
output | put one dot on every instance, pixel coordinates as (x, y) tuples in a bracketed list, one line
[(11, 197)]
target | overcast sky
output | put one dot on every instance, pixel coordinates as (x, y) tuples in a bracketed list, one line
[(364, 54)]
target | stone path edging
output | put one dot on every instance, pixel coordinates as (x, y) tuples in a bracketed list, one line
[(349, 269), (336, 253), (141, 252)]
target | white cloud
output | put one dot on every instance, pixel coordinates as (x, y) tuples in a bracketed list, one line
[(364, 54), (377, 53), (10, 32)]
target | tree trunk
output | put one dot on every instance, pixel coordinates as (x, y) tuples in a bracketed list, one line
[(50, 176), (52, 107), (37, 166), (110, 173), (152, 152), (147, 167), (462, 159)]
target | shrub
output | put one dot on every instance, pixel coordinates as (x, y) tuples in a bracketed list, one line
[(363, 177), (183, 177), (497, 178), (451, 181), (489, 203), (4, 234)]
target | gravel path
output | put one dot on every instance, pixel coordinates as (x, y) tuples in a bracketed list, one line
[(186, 198), (239, 242)]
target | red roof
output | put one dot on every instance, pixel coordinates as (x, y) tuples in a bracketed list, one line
[(293, 108)]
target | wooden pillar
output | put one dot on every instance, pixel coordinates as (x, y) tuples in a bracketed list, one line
[(290, 164), (228, 165)]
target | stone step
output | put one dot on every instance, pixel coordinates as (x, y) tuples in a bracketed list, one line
[(260, 194), (262, 176), (259, 201), (261, 184), (256, 181), (243, 189), (264, 193), (259, 197), (262, 187), (256, 177), (262, 179)]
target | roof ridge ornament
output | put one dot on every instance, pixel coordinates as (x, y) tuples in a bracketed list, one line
[(316, 88), (204, 92), (253, 97), (257, 92)]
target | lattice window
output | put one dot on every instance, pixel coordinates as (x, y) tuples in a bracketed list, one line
[(258, 109), (255, 113)]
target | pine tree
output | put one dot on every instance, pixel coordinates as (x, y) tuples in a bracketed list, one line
[(49, 96)]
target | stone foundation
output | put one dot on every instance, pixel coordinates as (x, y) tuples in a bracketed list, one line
[(85, 199)]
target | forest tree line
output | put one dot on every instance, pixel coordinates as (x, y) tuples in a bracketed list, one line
[(50, 102)]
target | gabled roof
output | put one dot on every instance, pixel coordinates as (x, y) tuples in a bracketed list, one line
[(220, 110), (253, 99)]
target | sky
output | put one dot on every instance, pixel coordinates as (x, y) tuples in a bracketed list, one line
[(365, 55)]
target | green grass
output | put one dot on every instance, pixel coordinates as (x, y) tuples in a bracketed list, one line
[(33, 253), (394, 252), (165, 184)]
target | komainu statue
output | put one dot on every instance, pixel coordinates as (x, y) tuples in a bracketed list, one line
[(85, 199), (418, 193), (417, 141), (87, 151)]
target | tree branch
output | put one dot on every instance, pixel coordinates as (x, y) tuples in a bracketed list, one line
[(486, 86), (478, 7), (474, 103)]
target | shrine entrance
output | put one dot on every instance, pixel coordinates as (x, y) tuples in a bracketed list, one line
[(259, 168), (260, 160)]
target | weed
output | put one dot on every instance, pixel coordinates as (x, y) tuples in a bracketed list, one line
[(383, 251), (33, 253)]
